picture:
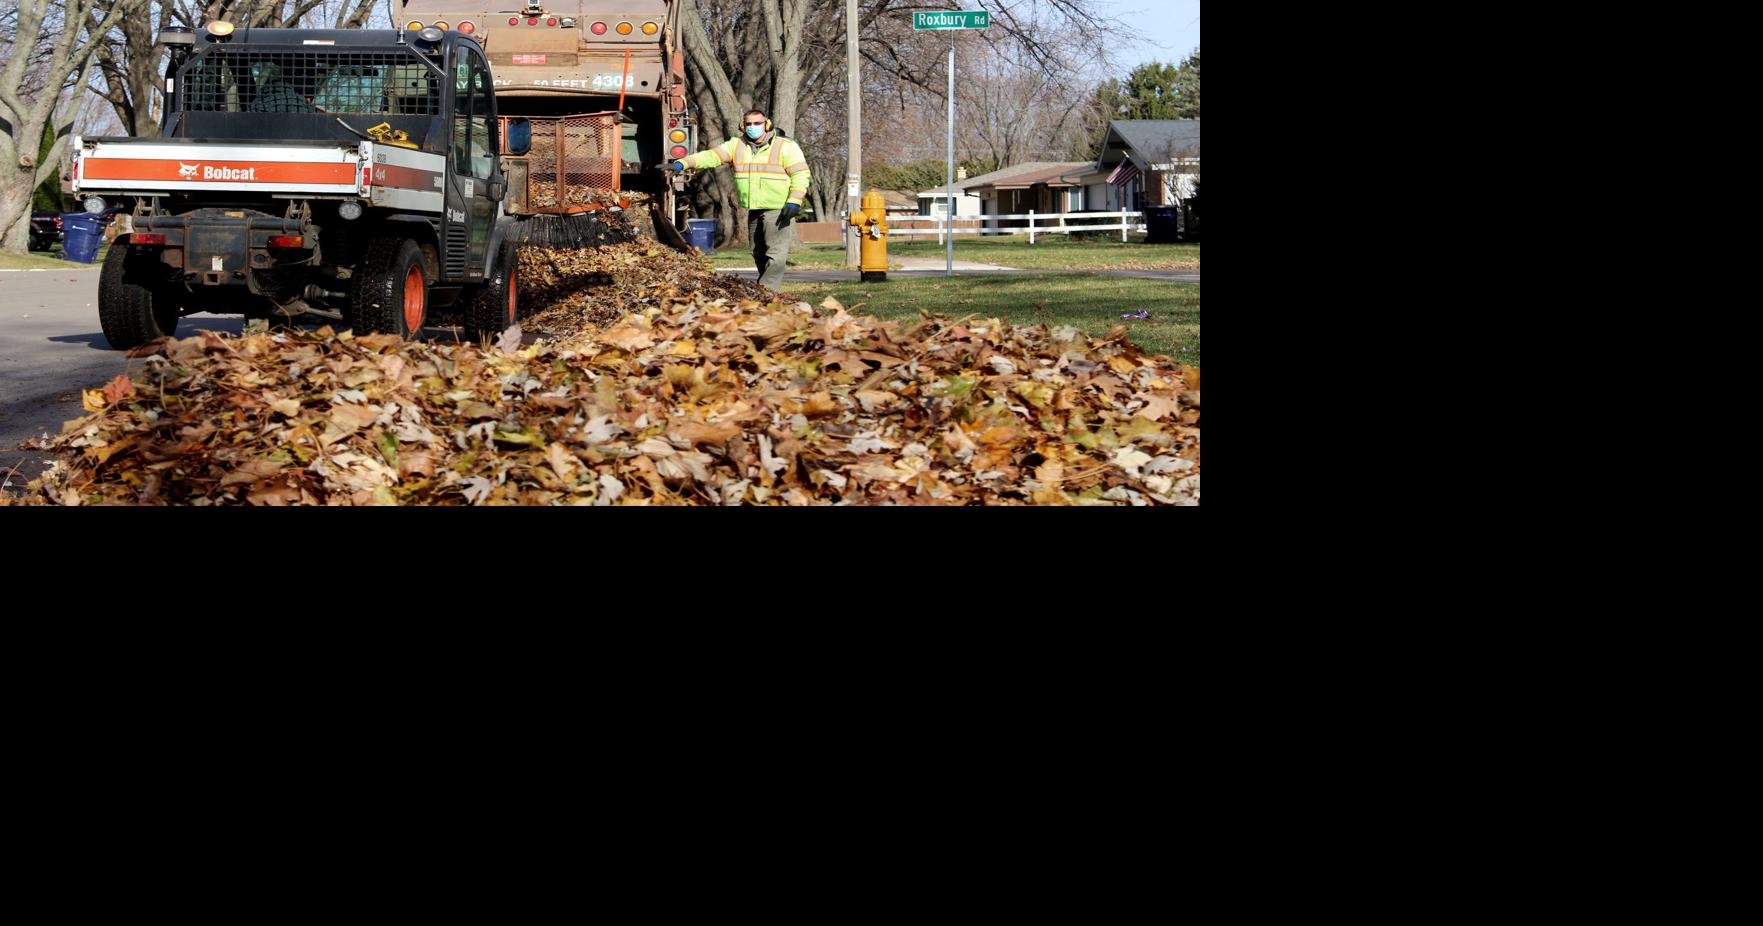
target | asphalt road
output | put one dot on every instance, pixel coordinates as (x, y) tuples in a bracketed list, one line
[(50, 348)]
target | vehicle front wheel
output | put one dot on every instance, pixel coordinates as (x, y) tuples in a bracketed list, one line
[(390, 289), (497, 305), (131, 311)]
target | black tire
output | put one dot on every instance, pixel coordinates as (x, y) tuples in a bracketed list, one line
[(130, 312), (497, 304), (382, 285)]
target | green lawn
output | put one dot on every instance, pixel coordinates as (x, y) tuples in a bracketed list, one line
[(1091, 303), (1057, 252), (1052, 252), (47, 260), (804, 256)]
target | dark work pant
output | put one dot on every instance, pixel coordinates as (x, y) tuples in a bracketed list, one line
[(771, 244)]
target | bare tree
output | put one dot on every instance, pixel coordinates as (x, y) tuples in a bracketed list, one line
[(22, 117)]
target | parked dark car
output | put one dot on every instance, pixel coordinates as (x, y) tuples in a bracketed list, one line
[(45, 230)]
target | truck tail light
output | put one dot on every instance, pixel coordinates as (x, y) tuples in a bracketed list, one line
[(287, 241), (146, 238)]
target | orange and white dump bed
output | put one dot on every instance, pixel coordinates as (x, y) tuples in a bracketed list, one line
[(382, 175)]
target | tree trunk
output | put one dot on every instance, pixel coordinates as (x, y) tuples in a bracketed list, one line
[(783, 34), (20, 169)]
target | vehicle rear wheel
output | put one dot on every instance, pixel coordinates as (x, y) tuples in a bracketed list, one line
[(497, 305), (130, 311), (390, 293)]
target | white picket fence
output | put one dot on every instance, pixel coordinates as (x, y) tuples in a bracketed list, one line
[(1045, 223)]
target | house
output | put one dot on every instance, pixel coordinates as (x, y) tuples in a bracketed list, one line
[(901, 202), (1038, 186), (995, 193), (1144, 162), (936, 201)]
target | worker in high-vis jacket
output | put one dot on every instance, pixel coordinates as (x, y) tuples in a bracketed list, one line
[(771, 179)]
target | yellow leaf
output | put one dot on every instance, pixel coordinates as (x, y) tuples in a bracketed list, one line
[(1121, 365), (562, 461), (92, 399), (1051, 473)]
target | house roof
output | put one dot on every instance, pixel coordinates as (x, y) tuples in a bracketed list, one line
[(900, 199), (1055, 175), (1150, 140), (966, 186)]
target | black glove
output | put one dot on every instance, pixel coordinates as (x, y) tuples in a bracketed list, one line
[(791, 211)]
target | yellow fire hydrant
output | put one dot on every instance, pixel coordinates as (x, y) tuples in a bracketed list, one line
[(872, 223)]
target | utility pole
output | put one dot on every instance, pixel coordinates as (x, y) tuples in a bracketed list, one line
[(854, 122)]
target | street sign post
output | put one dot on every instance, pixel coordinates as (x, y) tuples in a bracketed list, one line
[(951, 19)]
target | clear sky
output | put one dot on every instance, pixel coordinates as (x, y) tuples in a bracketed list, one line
[(1170, 28)]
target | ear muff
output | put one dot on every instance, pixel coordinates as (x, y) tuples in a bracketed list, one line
[(768, 125)]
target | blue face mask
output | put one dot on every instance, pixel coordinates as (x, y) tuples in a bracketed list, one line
[(754, 131)]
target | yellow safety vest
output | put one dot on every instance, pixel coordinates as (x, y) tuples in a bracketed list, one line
[(766, 177)]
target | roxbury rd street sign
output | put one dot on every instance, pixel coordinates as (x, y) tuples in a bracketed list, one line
[(964, 19)]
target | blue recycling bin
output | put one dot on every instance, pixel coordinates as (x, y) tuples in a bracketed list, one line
[(1162, 225), (82, 233), (701, 234)]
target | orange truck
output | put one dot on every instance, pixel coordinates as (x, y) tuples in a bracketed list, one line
[(600, 85)]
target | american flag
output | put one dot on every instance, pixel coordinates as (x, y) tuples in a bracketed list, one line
[(1124, 174)]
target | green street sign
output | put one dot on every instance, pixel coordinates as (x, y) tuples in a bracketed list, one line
[(953, 19)]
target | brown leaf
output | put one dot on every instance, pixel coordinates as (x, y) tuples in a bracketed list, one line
[(1157, 406), (119, 388), (251, 471), (628, 338), (420, 463), (696, 433)]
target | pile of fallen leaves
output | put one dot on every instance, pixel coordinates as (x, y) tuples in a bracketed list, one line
[(689, 401), (571, 289), (543, 194)]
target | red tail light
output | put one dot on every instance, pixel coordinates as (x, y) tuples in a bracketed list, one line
[(533, 22), (598, 28), (287, 241), (551, 22), (514, 20), (146, 238), (679, 151)]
